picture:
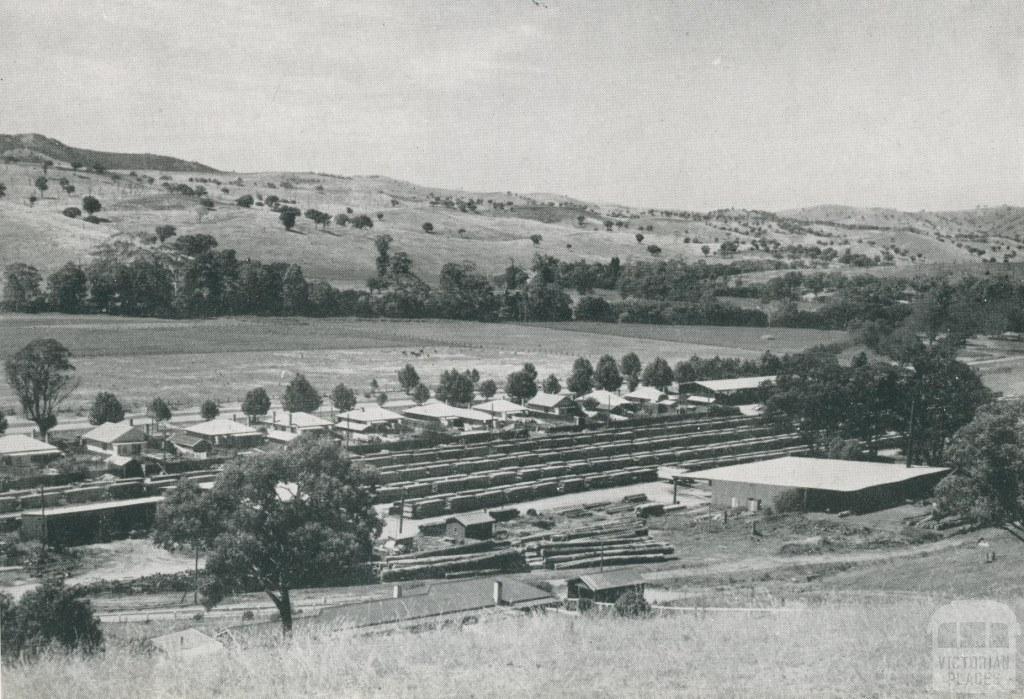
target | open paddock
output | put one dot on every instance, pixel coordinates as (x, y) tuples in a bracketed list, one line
[(188, 361)]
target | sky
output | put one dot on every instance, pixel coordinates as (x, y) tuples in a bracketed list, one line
[(684, 105)]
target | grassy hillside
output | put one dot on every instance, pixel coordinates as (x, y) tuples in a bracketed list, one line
[(490, 228), (859, 649)]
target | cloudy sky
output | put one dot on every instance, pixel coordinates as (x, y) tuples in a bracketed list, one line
[(679, 104)]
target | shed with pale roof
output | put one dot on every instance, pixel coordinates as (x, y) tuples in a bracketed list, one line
[(820, 484), (558, 404), (222, 432), (447, 414), (743, 390), (21, 451), (501, 408), (296, 422)]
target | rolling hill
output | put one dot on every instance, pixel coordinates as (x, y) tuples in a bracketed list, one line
[(491, 229)]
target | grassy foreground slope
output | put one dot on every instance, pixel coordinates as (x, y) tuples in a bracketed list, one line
[(879, 649)]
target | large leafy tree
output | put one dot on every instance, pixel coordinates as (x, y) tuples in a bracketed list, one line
[(606, 375), (185, 519), (343, 398), (521, 385), (631, 367), (67, 289), (22, 292), (300, 396), (455, 387), (552, 384), (42, 376), (658, 374), (465, 293), (298, 517), (105, 408), (581, 378), (408, 378), (209, 409), (488, 388), (256, 403), (987, 458)]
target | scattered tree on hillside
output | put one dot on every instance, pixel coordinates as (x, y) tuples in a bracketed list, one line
[(408, 379), (455, 387), (287, 217), (581, 378), (343, 398), (383, 261), (3, 190), (536, 238), (298, 517), (318, 218), (195, 244), (91, 205), (72, 212), (300, 396), (705, 249), (105, 408), (362, 221), (521, 386), (42, 185), (428, 227), (341, 220), (49, 615), (631, 367), (658, 374), (3, 422), (552, 384), (488, 388), (165, 231), (382, 398), (272, 200), (580, 219), (421, 393), (42, 377), (209, 409), (245, 201), (606, 375), (256, 403), (654, 249), (639, 237), (22, 292)]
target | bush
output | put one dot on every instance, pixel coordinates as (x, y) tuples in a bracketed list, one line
[(789, 501), (72, 212), (47, 616), (632, 605)]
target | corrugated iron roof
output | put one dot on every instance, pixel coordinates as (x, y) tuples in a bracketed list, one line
[(611, 580), (817, 474), (468, 519)]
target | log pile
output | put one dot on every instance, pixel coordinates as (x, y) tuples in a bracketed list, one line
[(614, 542), (452, 561)]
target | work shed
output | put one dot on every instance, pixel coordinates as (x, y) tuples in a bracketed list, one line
[(605, 587), (74, 525), (819, 484), (472, 525)]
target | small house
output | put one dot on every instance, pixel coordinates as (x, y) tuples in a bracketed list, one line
[(606, 402), (115, 439), (191, 445), (221, 432), (19, 452), (471, 525), (605, 587), (553, 404), (368, 420), (296, 423)]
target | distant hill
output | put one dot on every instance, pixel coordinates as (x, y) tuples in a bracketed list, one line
[(491, 229), (27, 145)]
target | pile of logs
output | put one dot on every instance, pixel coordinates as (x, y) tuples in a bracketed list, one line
[(615, 542), (453, 561)]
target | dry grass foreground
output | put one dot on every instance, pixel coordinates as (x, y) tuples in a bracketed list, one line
[(858, 650)]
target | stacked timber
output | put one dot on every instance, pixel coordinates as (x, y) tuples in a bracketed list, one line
[(620, 541), (452, 561)]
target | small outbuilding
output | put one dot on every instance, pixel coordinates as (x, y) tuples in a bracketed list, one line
[(191, 445), (471, 525), (605, 587)]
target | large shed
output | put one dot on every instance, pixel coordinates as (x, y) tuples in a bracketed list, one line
[(744, 390), (605, 587), (72, 525), (821, 484)]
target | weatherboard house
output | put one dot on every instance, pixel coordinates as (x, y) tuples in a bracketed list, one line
[(221, 432), (115, 439), (818, 484)]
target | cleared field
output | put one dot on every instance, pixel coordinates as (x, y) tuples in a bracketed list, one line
[(187, 361)]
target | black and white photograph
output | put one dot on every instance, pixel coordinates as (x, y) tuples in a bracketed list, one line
[(511, 348)]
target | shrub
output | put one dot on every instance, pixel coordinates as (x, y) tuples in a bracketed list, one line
[(47, 616), (72, 212), (632, 604)]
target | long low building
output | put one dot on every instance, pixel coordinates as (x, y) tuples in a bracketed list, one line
[(821, 484), (747, 389), (72, 525)]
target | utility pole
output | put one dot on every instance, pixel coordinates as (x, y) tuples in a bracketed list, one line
[(910, 431), (401, 513)]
